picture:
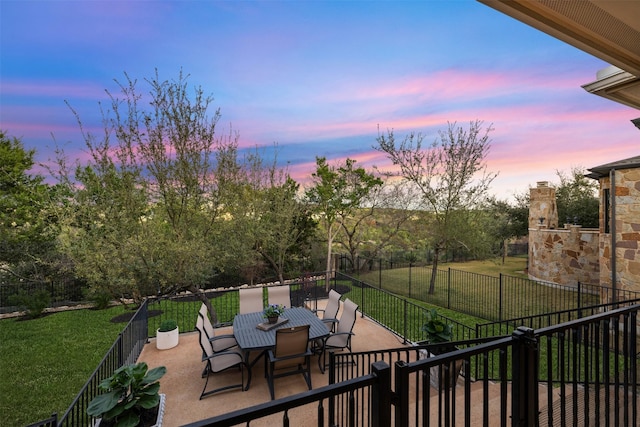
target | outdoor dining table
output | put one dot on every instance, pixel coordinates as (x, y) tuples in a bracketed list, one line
[(251, 338)]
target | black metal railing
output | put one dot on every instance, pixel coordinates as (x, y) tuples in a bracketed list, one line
[(393, 312), (379, 381), (489, 297), (125, 350), (582, 372)]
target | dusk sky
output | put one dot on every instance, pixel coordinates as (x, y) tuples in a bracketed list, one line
[(318, 78)]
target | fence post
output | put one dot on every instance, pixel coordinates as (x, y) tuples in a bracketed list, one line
[(448, 287), (406, 320), (579, 300), (402, 394), (381, 395), (524, 399), (409, 279), (500, 299)]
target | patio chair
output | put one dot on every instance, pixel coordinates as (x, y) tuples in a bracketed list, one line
[(341, 338), (219, 342), (290, 356), (330, 312), (251, 300), (220, 361), (279, 295)]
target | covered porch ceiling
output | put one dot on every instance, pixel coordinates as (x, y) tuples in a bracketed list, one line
[(607, 29)]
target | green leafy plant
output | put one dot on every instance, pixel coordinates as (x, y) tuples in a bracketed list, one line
[(167, 325), (34, 304), (131, 391), (436, 328), (273, 310)]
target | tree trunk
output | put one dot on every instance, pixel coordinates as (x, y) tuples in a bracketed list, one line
[(434, 271), (327, 280), (203, 297)]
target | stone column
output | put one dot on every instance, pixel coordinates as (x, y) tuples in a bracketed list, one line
[(543, 212)]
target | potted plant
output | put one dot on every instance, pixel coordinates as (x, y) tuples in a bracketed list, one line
[(272, 312), (440, 332), (130, 398), (167, 335), (437, 330)]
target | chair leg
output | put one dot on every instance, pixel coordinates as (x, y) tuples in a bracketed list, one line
[(270, 381), (242, 367), (307, 374)]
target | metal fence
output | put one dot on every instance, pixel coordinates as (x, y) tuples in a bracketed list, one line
[(125, 350), (489, 297)]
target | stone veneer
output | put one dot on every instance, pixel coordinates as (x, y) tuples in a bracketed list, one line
[(564, 256), (627, 200)]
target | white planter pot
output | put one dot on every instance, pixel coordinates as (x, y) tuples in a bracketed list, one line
[(160, 417), (167, 340)]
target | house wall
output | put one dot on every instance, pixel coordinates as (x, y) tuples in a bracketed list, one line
[(627, 201)]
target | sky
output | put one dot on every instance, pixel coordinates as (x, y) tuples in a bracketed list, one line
[(317, 78)]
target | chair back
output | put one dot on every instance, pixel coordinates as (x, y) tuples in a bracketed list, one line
[(345, 325), (279, 295), (205, 344), (206, 322), (333, 305), (289, 342), (251, 300)]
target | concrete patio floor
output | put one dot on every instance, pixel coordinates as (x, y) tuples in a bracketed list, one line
[(183, 383)]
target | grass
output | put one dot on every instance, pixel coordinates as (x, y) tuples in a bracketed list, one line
[(474, 287), (45, 361)]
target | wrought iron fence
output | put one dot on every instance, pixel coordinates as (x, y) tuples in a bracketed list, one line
[(489, 297), (125, 350)]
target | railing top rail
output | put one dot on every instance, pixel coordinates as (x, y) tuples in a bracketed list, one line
[(285, 403), (555, 313), (463, 353), (572, 324)]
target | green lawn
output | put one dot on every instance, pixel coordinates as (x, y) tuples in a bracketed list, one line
[(44, 362)]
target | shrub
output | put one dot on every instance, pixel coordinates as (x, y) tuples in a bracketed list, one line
[(167, 325), (34, 304)]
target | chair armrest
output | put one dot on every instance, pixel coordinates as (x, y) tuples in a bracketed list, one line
[(330, 320), (223, 342), (227, 353)]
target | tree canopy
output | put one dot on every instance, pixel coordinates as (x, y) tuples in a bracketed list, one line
[(452, 178)]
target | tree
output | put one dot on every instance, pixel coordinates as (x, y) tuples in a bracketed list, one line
[(508, 220), (286, 226), (27, 224), (576, 198), (451, 176), (336, 193), (377, 224), (152, 206)]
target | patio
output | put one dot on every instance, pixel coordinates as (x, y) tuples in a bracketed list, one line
[(183, 383)]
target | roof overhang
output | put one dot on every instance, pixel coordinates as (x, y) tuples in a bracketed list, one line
[(607, 29), (617, 85)]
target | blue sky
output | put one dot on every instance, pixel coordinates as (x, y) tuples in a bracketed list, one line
[(317, 77)]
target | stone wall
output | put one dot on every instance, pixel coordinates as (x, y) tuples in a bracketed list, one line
[(542, 206), (564, 256), (627, 205)]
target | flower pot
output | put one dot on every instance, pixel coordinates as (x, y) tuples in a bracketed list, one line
[(159, 418), (439, 373), (272, 319), (167, 340)]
